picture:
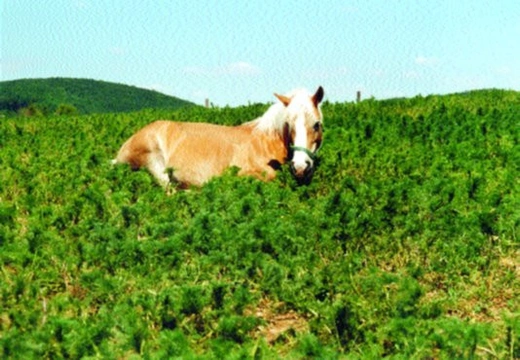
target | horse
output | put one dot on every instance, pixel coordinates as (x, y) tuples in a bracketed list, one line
[(190, 154)]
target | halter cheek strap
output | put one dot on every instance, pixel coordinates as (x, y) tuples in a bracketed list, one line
[(305, 150)]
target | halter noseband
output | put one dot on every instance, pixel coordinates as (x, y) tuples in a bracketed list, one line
[(293, 148), (305, 150)]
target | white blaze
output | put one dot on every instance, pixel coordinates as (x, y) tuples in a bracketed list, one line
[(300, 159)]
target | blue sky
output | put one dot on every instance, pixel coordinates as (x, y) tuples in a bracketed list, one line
[(235, 52)]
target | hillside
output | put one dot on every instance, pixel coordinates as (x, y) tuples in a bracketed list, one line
[(83, 96), (404, 246)]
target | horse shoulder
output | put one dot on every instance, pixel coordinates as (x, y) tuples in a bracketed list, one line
[(259, 154)]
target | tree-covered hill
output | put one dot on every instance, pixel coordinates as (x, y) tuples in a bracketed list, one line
[(83, 96)]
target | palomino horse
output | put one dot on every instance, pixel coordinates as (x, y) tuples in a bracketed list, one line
[(186, 153)]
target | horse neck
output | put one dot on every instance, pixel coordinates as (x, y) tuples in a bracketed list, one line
[(271, 122), (266, 130)]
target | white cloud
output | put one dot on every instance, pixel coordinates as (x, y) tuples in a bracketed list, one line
[(235, 68), (411, 75), (426, 60), (117, 50), (503, 70), (195, 70), (349, 9), (378, 72), (11, 67), (326, 73), (464, 82), (81, 4), (241, 68)]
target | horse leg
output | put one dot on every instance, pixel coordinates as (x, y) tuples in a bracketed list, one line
[(156, 165)]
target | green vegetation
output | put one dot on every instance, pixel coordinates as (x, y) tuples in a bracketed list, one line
[(405, 245), (64, 96)]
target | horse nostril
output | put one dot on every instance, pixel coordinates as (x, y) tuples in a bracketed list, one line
[(308, 168)]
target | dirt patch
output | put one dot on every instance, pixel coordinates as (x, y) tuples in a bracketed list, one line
[(485, 296), (277, 320)]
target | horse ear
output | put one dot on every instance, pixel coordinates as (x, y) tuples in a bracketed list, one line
[(284, 99), (318, 96)]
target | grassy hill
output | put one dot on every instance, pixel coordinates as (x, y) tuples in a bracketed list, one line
[(404, 246), (82, 96)]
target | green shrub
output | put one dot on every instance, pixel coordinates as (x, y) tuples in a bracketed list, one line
[(404, 245)]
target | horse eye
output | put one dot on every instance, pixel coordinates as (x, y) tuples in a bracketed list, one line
[(317, 126)]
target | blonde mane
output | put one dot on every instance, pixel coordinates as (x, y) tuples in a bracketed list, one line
[(273, 120)]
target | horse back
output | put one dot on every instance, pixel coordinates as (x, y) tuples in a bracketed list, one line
[(198, 151)]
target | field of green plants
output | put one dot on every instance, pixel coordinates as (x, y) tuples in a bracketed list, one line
[(405, 245)]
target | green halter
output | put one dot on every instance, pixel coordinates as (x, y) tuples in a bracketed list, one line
[(305, 150)]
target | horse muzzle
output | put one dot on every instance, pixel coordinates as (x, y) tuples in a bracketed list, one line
[(302, 174), (302, 166)]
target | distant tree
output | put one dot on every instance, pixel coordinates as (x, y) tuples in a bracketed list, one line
[(31, 111), (66, 109)]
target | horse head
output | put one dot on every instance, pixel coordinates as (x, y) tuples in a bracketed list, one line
[(303, 131)]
